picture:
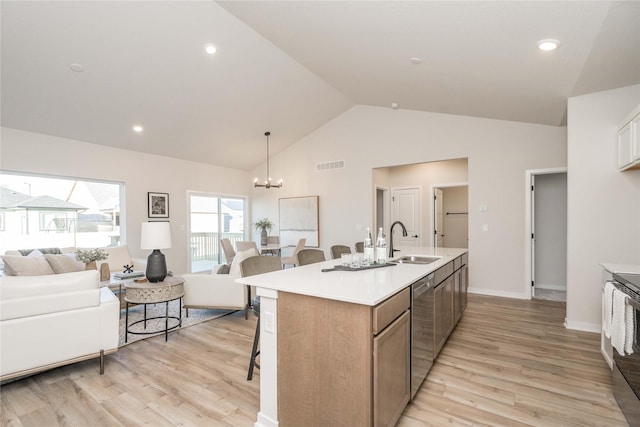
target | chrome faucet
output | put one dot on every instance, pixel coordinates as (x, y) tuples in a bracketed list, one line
[(404, 233)]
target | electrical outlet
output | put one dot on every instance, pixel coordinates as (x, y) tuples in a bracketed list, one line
[(268, 322), (485, 227)]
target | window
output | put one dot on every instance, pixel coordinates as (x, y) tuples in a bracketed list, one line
[(40, 211), (212, 218)]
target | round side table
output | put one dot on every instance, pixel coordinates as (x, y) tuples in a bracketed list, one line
[(172, 288)]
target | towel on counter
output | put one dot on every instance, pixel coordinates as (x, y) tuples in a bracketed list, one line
[(608, 308)]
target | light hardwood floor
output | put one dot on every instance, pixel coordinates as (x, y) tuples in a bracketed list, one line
[(508, 363)]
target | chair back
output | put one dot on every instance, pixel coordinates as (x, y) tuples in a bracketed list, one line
[(273, 240), (299, 246), (227, 248), (310, 256), (244, 245), (259, 264), (338, 250), (359, 247)]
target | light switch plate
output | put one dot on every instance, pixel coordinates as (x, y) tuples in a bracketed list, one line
[(485, 227)]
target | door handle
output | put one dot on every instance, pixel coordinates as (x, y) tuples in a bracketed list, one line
[(415, 237)]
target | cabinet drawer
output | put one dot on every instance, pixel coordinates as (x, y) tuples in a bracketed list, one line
[(444, 272), (457, 263), (465, 258), (387, 311)]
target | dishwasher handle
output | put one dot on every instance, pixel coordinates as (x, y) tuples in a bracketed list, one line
[(422, 286)]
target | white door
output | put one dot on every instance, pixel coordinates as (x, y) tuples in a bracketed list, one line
[(405, 205), (438, 225), (533, 236)]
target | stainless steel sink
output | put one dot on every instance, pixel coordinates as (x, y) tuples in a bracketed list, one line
[(411, 259)]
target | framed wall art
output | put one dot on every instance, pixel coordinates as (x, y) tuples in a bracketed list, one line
[(299, 218), (158, 205)]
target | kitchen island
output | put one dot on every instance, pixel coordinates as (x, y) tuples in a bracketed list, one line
[(335, 346)]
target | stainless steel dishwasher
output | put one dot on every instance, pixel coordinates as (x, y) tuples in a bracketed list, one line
[(422, 324)]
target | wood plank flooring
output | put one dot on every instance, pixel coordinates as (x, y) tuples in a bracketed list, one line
[(508, 363)]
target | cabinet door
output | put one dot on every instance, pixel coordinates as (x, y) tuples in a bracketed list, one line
[(625, 145), (457, 279), (447, 311), (438, 330), (464, 281), (391, 372), (635, 142)]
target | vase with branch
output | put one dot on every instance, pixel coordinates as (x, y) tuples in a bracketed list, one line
[(263, 225), (90, 256)]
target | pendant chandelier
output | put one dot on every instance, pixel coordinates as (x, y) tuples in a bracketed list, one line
[(267, 182)]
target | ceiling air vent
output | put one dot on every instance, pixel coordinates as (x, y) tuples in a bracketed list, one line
[(338, 164)]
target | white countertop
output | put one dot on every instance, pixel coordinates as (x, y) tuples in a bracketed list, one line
[(621, 268), (367, 287)]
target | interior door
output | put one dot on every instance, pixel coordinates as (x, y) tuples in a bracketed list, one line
[(406, 209), (533, 236), (438, 215)]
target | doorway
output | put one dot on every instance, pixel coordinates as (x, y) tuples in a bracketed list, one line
[(405, 207), (547, 234), (450, 207)]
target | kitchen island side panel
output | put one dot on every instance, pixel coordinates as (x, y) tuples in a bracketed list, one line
[(324, 362)]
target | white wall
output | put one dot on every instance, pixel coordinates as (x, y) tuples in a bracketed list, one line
[(456, 224), (36, 153), (603, 204), (498, 152)]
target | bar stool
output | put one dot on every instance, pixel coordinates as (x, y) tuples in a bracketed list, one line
[(250, 267)]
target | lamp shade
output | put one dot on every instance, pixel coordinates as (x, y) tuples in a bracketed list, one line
[(155, 235)]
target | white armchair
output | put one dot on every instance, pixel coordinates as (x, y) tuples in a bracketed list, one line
[(219, 290), (214, 291)]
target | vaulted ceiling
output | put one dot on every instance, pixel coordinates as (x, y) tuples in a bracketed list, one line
[(91, 70)]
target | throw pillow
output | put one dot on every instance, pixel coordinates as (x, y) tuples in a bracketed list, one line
[(64, 263), (26, 252), (35, 254), (224, 269), (241, 256), (26, 266)]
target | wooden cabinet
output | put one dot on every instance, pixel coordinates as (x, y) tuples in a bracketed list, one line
[(450, 299), (391, 371), (628, 138), (342, 364)]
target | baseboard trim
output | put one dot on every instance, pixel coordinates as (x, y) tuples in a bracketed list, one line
[(551, 286), (582, 326), (494, 293)]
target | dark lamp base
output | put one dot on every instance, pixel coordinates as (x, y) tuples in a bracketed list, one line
[(156, 266)]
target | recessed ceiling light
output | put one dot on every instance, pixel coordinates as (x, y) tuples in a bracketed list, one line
[(76, 67), (415, 61), (138, 128), (210, 49), (548, 44)]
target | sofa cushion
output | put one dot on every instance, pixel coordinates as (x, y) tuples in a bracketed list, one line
[(241, 256), (65, 263), (26, 265), (30, 296)]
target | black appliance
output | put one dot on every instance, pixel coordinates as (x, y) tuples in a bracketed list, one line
[(626, 369)]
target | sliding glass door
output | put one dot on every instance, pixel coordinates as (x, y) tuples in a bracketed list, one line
[(213, 217)]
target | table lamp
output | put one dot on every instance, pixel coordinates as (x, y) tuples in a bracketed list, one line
[(156, 236)]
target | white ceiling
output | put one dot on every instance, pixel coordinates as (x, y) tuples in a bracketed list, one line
[(289, 66)]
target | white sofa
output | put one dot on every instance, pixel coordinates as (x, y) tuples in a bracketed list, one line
[(53, 320)]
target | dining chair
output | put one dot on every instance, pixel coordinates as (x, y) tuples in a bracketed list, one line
[(310, 256), (293, 259), (359, 247), (244, 245), (250, 267), (272, 240), (227, 248), (338, 250)]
